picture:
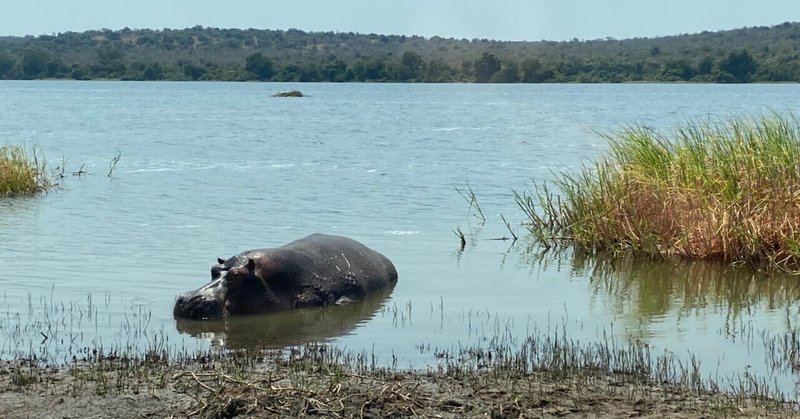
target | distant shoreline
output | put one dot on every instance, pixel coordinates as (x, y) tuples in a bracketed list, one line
[(757, 55)]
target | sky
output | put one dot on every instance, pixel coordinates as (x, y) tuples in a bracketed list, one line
[(507, 20)]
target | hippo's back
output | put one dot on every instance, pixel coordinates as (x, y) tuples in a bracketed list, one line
[(327, 257)]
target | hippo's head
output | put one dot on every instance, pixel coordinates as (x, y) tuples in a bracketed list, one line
[(232, 290), (206, 302)]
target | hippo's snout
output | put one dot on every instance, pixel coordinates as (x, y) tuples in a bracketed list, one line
[(197, 307), (205, 303)]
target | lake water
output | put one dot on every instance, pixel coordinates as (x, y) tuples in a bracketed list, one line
[(212, 169)]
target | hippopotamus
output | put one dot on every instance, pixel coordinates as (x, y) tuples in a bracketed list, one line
[(286, 328), (314, 271)]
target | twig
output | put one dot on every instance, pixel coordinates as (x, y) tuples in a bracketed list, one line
[(80, 171), (198, 411), (249, 383), (201, 383), (113, 164), (60, 174), (460, 234), (508, 226)]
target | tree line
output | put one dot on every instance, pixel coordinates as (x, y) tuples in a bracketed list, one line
[(758, 54)]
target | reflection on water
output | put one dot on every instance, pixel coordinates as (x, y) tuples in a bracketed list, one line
[(12, 209), (294, 327), (736, 312), (652, 288), (737, 323)]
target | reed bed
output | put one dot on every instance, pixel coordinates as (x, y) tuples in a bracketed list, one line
[(21, 174), (727, 190)]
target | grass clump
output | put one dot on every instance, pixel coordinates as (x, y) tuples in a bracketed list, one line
[(722, 191), (21, 174)]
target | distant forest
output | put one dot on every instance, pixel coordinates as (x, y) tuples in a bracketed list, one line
[(758, 54)]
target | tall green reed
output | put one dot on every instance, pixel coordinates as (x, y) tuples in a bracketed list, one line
[(21, 174), (727, 190)]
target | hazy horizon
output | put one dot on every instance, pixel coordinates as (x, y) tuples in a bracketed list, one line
[(512, 20)]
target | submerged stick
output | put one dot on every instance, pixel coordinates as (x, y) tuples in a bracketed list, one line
[(80, 171), (462, 238), (113, 164), (508, 226)]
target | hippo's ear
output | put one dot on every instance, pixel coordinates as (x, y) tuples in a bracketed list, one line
[(221, 260), (251, 265)]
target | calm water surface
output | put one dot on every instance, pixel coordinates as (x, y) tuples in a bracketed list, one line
[(212, 169)]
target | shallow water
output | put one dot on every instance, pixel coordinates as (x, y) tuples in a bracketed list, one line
[(212, 169)]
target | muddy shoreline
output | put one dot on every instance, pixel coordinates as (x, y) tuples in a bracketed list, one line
[(311, 383)]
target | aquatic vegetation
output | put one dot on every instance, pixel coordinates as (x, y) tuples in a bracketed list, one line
[(726, 191), (470, 196), (21, 174), (546, 370)]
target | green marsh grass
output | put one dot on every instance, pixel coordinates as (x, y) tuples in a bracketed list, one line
[(21, 174), (726, 191), (470, 196)]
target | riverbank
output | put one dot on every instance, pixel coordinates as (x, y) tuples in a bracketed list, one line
[(314, 382)]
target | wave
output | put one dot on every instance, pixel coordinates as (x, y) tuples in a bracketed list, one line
[(448, 129), (160, 169), (401, 232), (181, 166)]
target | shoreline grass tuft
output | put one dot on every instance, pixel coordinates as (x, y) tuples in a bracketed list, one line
[(726, 191), (21, 174)]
